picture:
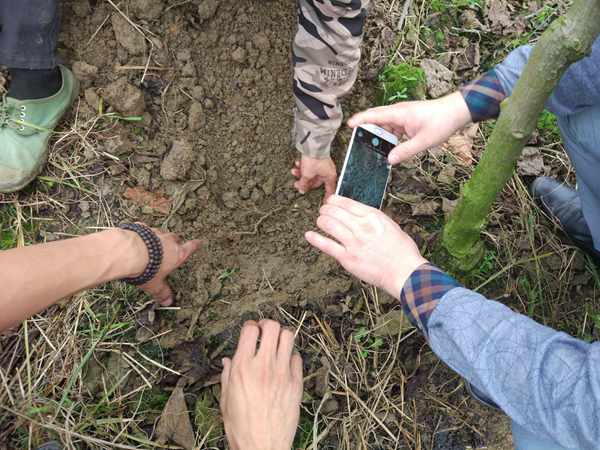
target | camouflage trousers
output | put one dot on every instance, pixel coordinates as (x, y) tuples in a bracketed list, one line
[(326, 55)]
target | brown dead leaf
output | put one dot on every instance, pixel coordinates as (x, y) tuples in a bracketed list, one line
[(461, 144), (531, 162), (155, 203), (426, 208), (498, 15), (448, 206), (447, 175), (174, 424)]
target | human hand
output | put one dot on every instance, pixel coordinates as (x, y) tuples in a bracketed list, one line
[(369, 244), (175, 253), (425, 123), (312, 173), (261, 390)]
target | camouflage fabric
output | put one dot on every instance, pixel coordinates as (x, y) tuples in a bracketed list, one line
[(326, 53)]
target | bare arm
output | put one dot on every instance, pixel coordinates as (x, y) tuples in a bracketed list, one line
[(37, 276)]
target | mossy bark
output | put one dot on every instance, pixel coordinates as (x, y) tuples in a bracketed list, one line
[(567, 40)]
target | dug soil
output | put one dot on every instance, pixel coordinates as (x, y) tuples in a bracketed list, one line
[(202, 147)]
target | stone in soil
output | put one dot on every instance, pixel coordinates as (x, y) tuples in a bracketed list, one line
[(147, 9), (125, 98), (178, 161), (127, 35), (207, 9), (84, 71), (439, 78)]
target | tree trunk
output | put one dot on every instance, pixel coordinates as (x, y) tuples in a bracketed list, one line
[(567, 40)]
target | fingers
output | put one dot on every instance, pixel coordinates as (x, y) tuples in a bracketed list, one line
[(304, 184), (225, 374), (330, 186), (297, 369), (296, 171), (407, 150), (352, 206), (163, 294), (382, 115), (326, 245), (336, 229), (246, 348), (286, 346), (269, 338), (186, 250)]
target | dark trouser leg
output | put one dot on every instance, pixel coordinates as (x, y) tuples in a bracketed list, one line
[(28, 37), (28, 34)]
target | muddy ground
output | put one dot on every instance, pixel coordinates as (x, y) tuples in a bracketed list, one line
[(210, 159)]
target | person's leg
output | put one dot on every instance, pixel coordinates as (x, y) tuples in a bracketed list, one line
[(524, 440), (326, 55), (577, 211), (39, 91), (28, 37), (581, 135)]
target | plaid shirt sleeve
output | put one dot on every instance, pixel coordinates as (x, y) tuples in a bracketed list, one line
[(422, 292), (483, 96)]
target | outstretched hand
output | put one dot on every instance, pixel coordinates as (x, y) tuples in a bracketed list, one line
[(425, 123), (312, 173), (175, 253), (261, 389), (367, 243)]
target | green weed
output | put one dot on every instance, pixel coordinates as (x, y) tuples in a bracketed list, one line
[(366, 343), (548, 127), (398, 82)]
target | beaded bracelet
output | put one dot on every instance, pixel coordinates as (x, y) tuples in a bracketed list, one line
[(155, 252)]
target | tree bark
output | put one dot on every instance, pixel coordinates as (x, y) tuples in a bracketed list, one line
[(568, 39)]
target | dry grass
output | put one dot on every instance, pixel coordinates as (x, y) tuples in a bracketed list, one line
[(374, 391)]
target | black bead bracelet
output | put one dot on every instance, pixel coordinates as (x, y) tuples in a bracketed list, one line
[(155, 252)]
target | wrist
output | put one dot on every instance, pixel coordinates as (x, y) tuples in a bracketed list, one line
[(398, 278), (129, 253), (460, 113)]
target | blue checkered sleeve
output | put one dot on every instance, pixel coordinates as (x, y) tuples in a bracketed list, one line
[(422, 292), (484, 96)]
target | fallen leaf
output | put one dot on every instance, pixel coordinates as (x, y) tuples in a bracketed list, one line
[(448, 206), (153, 202), (447, 175), (461, 144), (531, 162), (427, 208), (439, 78), (174, 424), (392, 324), (498, 15), (470, 20)]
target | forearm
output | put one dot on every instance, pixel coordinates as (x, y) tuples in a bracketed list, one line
[(37, 276), (543, 379), (578, 88), (326, 55)]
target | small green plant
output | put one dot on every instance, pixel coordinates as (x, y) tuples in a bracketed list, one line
[(399, 82), (548, 126), (226, 275), (366, 343)]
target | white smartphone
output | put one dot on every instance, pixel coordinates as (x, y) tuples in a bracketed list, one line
[(366, 171)]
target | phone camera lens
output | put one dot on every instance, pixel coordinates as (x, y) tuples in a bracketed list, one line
[(375, 142), (361, 134)]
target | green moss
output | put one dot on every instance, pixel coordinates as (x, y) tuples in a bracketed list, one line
[(548, 127), (398, 82)]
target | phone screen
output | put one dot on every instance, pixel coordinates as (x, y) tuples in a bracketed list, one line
[(366, 170)]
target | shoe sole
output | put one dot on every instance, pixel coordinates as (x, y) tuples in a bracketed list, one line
[(44, 160)]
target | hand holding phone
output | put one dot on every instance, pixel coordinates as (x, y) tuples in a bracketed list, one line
[(366, 170)]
